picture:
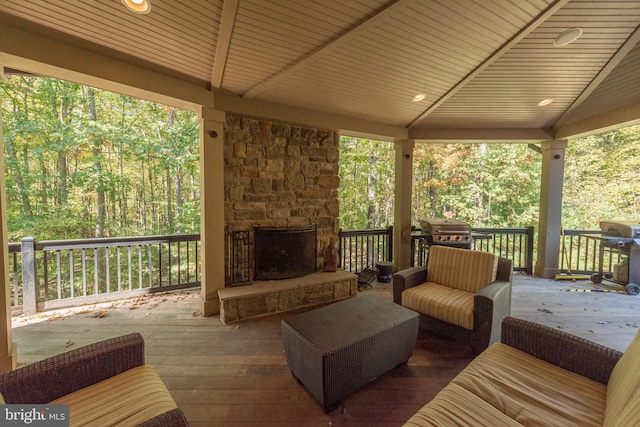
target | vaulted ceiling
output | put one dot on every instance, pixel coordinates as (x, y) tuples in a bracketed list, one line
[(353, 65)]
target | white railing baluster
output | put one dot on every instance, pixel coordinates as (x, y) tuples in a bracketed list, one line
[(119, 275), (108, 273), (140, 266), (95, 271), (150, 268), (71, 289), (84, 272), (129, 259), (59, 278)]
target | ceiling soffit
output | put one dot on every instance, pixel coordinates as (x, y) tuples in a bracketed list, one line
[(482, 65)]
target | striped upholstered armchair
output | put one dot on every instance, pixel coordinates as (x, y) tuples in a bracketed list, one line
[(461, 293)]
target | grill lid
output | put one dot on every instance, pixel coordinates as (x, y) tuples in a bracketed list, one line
[(628, 229), (436, 226)]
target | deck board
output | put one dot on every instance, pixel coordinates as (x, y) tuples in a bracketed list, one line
[(236, 375)]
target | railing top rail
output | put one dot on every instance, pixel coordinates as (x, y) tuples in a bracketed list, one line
[(349, 233), (48, 245), (578, 232), (501, 230)]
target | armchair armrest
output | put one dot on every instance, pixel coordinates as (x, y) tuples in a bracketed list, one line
[(559, 348), (407, 278), (492, 304), (57, 376)]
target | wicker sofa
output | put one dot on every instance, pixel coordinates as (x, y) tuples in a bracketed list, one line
[(106, 383), (460, 293), (540, 376)]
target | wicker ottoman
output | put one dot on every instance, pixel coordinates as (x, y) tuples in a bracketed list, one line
[(335, 350)]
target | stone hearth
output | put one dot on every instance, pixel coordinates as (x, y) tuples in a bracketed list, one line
[(274, 296)]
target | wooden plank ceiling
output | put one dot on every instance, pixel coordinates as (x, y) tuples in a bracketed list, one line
[(482, 65)]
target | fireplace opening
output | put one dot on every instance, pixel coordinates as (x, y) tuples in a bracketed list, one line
[(284, 252)]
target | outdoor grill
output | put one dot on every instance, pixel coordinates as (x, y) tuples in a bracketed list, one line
[(447, 232), (621, 238)]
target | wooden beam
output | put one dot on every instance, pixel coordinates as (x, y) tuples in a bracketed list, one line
[(480, 135), (494, 57), (336, 122), (227, 24), (627, 115)]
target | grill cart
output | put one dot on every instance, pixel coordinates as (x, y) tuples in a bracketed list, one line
[(620, 241)]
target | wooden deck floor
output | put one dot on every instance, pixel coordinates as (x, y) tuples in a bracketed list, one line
[(236, 375)]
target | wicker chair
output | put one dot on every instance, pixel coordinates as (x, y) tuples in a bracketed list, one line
[(491, 303), (55, 377)]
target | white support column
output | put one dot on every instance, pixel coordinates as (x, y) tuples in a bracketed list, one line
[(550, 217), (211, 208), (8, 355), (402, 206)]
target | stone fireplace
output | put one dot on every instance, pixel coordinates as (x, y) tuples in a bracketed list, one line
[(279, 176), (284, 252)]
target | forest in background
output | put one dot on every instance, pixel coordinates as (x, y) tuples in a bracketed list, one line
[(82, 162), (492, 185)]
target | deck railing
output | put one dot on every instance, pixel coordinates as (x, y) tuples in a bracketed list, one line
[(359, 249), (580, 252), (52, 274), (55, 273), (516, 244)]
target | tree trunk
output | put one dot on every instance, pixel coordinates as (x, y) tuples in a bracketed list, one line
[(17, 176), (97, 166), (63, 193), (170, 218), (44, 183), (152, 192), (372, 181), (179, 202), (433, 196)]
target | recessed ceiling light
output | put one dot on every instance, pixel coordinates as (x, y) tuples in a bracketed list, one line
[(567, 37), (419, 97), (544, 102), (138, 6)]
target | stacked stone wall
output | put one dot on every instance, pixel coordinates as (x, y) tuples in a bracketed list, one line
[(281, 175)]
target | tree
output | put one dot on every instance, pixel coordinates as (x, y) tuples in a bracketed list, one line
[(83, 162)]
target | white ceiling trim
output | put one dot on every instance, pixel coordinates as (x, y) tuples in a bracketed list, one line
[(227, 23), (611, 120), (477, 135), (494, 57)]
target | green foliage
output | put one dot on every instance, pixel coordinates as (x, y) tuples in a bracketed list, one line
[(78, 158), (366, 195), (488, 185), (495, 185), (601, 179)]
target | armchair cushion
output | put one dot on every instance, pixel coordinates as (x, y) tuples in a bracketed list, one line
[(461, 268), (444, 303), (531, 391), (129, 398), (623, 399)]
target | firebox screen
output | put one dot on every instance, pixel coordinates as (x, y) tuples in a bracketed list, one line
[(284, 253)]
